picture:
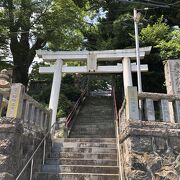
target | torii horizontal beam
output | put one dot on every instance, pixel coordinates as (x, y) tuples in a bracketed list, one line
[(100, 55), (84, 69)]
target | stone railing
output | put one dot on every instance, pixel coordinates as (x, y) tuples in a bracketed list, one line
[(152, 106), (160, 107), (24, 107)]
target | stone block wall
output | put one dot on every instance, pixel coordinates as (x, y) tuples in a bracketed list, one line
[(16, 146), (150, 150)]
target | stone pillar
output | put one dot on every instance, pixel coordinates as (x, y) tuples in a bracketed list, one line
[(177, 111), (172, 76), (127, 76), (54, 99), (132, 111), (149, 110), (164, 110), (15, 101)]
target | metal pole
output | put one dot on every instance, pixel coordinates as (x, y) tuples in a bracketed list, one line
[(136, 21), (44, 151), (31, 171)]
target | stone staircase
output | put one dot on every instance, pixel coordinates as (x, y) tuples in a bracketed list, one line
[(90, 153)]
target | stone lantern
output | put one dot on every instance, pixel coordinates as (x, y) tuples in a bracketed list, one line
[(4, 79)]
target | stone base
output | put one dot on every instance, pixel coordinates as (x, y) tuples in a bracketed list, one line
[(16, 146), (151, 150)]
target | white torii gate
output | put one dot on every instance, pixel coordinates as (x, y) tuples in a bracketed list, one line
[(91, 58)]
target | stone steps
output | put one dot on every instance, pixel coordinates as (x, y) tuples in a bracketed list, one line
[(94, 156), (84, 144), (93, 131), (90, 124), (76, 176), (93, 135), (86, 150), (93, 120), (67, 161), (90, 153), (94, 126), (97, 140), (80, 169)]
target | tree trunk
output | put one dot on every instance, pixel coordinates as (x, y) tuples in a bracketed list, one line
[(20, 75), (22, 60)]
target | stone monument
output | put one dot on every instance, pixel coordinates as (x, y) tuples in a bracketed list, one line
[(172, 75)]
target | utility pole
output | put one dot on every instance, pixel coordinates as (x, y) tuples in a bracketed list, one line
[(136, 21)]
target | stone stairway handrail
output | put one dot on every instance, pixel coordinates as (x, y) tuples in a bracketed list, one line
[(43, 141), (76, 106)]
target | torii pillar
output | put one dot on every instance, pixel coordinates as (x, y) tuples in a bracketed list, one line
[(56, 84), (127, 73)]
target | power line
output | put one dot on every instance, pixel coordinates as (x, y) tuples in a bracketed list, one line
[(151, 3)]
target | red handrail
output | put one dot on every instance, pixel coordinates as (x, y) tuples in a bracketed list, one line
[(76, 106)]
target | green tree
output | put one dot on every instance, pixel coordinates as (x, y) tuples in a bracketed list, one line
[(31, 24), (170, 47), (164, 38)]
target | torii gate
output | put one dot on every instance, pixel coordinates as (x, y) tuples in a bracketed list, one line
[(91, 58)]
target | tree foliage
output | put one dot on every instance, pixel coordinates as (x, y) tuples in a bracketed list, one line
[(153, 34), (170, 47), (30, 24), (163, 37)]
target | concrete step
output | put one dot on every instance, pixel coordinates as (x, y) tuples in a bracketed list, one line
[(96, 111), (94, 126), (91, 124), (94, 156), (93, 121), (93, 131), (80, 169), (98, 116), (92, 136), (67, 161), (101, 134), (96, 140), (84, 144), (85, 150), (76, 176), (82, 123)]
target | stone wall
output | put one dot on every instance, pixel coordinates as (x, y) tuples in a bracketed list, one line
[(150, 150), (16, 146)]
